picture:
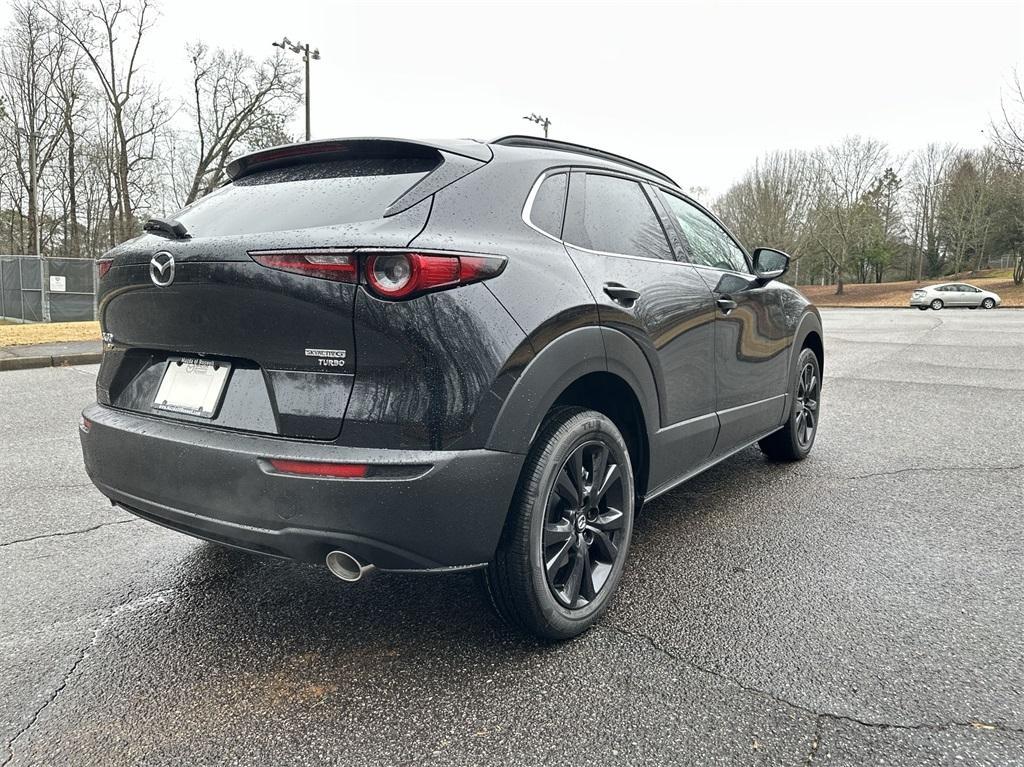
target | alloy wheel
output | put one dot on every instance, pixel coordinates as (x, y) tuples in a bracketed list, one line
[(583, 525), (808, 391)]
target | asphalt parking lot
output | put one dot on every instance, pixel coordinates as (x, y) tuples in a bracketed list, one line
[(863, 607)]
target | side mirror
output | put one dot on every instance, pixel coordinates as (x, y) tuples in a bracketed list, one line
[(770, 264)]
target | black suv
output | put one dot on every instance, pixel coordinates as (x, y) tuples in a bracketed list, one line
[(413, 356)]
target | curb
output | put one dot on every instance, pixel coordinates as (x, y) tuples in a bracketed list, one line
[(55, 360)]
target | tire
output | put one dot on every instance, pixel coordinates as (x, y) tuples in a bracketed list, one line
[(937, 304), (988, 303), (591, 553), (793, 442)]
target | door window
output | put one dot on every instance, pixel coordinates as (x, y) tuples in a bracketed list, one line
[(708, 243), (613, 215)]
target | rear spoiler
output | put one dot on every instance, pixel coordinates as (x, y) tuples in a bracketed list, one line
[(455, 159)]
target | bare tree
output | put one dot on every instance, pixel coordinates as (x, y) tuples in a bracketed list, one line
[(770, 204), (31, 56), (927, 175), (1008, 128), (110, 35), (846, 172), (237, 101), (1008, 138)]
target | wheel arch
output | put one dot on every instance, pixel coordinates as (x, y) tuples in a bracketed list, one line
[(575, 369), (809, 335)]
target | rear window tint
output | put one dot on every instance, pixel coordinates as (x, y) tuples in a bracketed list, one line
[(304, 196), (549, 204)]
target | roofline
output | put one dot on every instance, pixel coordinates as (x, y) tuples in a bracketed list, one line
[(535, 142)]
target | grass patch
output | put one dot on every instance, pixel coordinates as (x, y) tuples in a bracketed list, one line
[(48, 333)]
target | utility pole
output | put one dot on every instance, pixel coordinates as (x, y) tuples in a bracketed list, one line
[(544, 122), (307, 54)]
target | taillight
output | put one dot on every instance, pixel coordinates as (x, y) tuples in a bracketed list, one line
[(325, 264), (403, 275), (103, 266), (388, 274)]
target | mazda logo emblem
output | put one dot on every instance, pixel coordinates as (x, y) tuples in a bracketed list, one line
[(161, 269)]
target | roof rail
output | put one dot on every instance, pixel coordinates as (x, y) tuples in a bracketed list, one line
[(566, 146)]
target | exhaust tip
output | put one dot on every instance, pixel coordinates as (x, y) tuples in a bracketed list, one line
[(345, 566)]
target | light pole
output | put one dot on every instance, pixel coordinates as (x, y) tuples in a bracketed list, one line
[(542, 121), (307, 54)]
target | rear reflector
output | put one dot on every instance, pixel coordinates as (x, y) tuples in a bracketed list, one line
[(103, 266), (324, 264), (319, 469)]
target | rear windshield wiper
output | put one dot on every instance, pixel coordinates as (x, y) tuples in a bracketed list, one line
[(170, 226)]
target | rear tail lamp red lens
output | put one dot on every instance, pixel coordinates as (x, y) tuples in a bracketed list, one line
[(403, 275), (392, 275), (325, 264), (103, 266), (319, 468)]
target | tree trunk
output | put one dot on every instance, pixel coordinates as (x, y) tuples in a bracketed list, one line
[(72, 218)]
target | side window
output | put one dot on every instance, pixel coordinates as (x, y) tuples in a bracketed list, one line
[(613, 215), (708, 243), (549, 204)]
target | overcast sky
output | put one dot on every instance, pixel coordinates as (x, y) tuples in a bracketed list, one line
[(696, 89)]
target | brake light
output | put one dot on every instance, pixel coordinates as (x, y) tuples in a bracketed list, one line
[(390, 274), (403, 275), (339, 266), (103, 266), (319, 468)]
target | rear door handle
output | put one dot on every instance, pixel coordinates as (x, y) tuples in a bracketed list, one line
[(620, 294), (725, 304)]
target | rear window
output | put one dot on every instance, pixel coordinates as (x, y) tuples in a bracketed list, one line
[(304, 196), (549, 204)]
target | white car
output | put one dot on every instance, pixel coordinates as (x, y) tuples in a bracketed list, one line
[(954, 294)]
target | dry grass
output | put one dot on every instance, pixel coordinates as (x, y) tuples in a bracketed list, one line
[(45, 333), (898, 293)]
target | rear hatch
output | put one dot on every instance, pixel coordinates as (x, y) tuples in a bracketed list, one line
[(271, 351)]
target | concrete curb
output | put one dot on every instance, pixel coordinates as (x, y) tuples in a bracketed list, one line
[(47, 361)]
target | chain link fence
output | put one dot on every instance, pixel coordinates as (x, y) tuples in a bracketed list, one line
[(38, 289)]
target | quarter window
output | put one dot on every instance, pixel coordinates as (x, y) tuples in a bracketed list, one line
[(549, 204), (613, 215), (707, 242)]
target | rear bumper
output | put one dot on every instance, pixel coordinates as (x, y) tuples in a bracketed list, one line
[(213, 484)]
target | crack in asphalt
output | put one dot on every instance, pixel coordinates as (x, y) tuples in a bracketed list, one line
[(53, 696), (929, 384), (108, 616), (932, 469), (819, 715), (68, 532)]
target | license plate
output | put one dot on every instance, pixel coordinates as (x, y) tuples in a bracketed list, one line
[(192, 386)]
